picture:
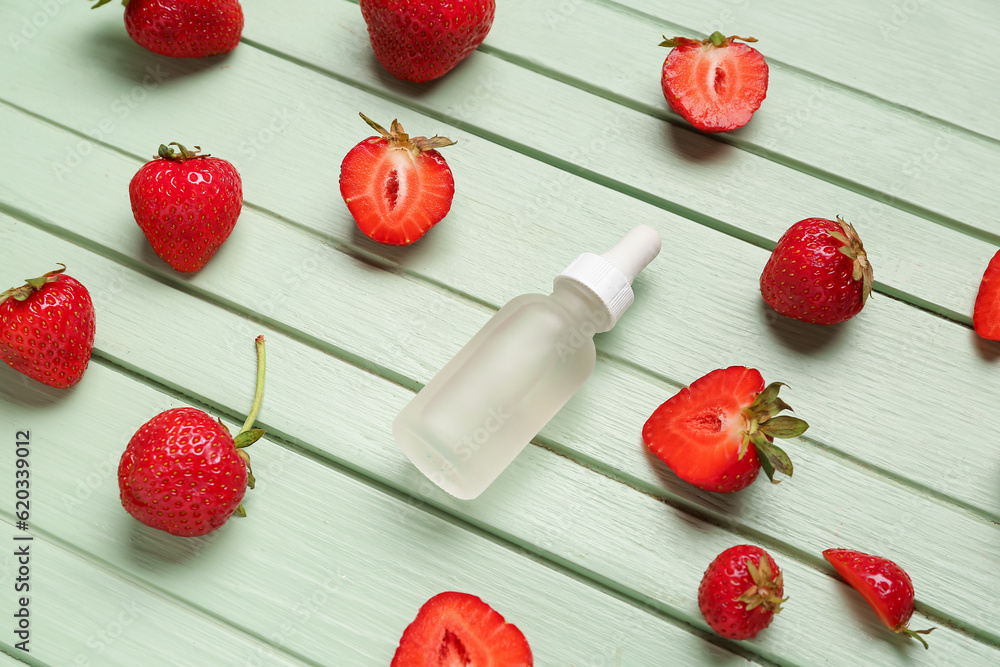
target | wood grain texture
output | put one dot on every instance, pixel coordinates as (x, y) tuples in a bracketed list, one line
[(889, 153), (712, 183), (887, 50), (325, 567), (869, 363), (603, 528), (591, 547), (84, 615)]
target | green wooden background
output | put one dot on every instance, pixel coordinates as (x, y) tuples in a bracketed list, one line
[(882, 112)]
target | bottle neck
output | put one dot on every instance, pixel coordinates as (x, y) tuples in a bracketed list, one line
[(583, 306)]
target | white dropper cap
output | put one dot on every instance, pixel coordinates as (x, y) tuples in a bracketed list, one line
[(609, 276)]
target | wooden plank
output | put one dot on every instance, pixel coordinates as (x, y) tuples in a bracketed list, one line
[(600, 527), (325, 567), (259, 123), (662, 332), (888, 153), (83, 615), (897, 61)]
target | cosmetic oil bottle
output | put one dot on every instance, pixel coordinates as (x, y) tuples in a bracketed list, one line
[(470, 421)]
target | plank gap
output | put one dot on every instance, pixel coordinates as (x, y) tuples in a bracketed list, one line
[(819, 78), (515, 545)]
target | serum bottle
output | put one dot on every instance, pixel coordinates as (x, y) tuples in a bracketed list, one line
[(470, 421)]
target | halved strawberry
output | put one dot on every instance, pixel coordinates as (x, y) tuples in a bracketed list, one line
[(716, 84), (454, 629), (704, 432), (396, 186), (884, 585), (986, 316)]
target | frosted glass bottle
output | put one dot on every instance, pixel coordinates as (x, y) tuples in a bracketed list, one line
[(477, 414)]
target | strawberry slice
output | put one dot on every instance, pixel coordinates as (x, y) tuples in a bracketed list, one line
[(884, 585), (704, 432), (458, 629), (716, 84), (396, 186), (986, 316)]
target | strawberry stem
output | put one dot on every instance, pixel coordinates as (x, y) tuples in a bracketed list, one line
[(179, 155), (397, 136), (259, 392), (22, 292), (915, 634)]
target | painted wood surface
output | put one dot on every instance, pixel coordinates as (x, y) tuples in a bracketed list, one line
[(591, 547)]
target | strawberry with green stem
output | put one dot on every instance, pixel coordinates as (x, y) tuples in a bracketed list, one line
[(183, 28), (182, 471), (719, 432), (886, 587), (716, 84), (186, 204), (741, 591), (818, 272), (396, 186), (47, 329)]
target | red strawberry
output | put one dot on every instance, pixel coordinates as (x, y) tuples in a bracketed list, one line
[(455, 629), (397, 186), (884, 585), (741, 592), (715, 84), (186, 204), (986, 316), (183, 28), (704, 432), (818, 272), (47, 329), (183, 472), (420, 40)]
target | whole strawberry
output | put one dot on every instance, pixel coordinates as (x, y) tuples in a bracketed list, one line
[(716, 84), (719, 432), (741, 592), (460, 629), (884, 585), (186, 204), (818, 272), (47, 329), (182, 472), (396, 186), (183, 28), (420, 40)]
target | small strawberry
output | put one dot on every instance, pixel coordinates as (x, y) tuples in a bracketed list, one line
[(397, 186), (183, 28), (741, 592), (884, 585), (818, 272), (182, 472), (986, 316), (420, 40), (705, 431), (47, 329), (186, 204), (460, 629), (716, 84)]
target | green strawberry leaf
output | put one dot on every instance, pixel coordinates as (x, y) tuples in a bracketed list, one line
[(784, 426), (772, 458), (768, 468)]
